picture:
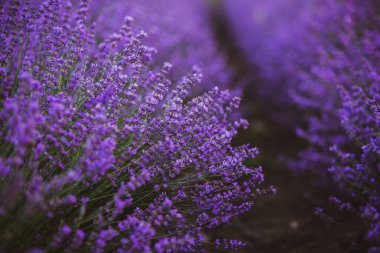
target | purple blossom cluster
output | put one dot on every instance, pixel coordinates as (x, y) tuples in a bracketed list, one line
[(179, 30), (101, 151), (323, 57)]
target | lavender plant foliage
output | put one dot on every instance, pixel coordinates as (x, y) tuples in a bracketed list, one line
[(101, 153), (342, 98), (180, 30)]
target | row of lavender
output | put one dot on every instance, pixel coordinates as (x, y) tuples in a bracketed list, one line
[(103, 150), (324, 58)]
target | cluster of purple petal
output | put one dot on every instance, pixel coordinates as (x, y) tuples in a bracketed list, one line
[(100, 150)]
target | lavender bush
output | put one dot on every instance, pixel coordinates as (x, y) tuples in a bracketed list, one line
[(100, 151), (323, 56), (341, 97)]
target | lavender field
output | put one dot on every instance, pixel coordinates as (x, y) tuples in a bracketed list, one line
[(169, 126)]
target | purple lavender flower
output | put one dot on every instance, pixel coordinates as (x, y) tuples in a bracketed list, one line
[(101, 151), (229, 244)]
